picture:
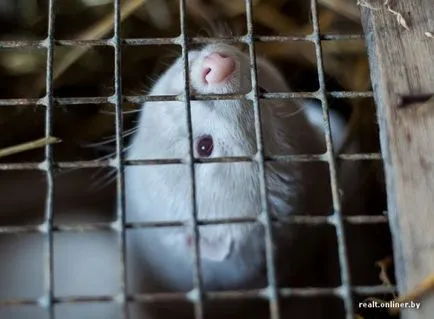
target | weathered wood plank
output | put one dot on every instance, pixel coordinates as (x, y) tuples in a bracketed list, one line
[(402, 70)]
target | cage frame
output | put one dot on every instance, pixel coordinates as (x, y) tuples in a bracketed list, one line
[(197, 296)]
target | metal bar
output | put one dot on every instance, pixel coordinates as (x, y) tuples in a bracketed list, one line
[(228, 159), (199, 97), (345, 289), (120, 184), (197, 294), (159, 98), (310, 220), (272, 290), (47, 300), (174, 40), (258, 294), (163, 41), (355, 157)]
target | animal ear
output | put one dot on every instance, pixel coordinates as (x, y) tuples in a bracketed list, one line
[(216, 248)]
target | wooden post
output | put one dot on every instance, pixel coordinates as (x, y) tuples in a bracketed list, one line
[(402, 71)]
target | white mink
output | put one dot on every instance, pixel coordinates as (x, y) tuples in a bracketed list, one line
[(232, 255)]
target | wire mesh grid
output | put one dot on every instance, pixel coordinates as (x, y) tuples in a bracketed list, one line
[(197, 295)]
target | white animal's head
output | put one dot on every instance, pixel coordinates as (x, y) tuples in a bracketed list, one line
[(221, 128)]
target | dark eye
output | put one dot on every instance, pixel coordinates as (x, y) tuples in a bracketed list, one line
[(262, 90), (205, 146)]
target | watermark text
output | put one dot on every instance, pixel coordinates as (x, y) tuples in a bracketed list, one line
[(389, 304)]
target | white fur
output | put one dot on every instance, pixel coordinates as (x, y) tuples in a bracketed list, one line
[(337, 123), (162, 193)]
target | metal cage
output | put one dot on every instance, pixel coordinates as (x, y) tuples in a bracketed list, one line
[(48, 300)]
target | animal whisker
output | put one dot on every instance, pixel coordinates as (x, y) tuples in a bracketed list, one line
[(285, 114), (101, 183), (111, 138), (105, 180)]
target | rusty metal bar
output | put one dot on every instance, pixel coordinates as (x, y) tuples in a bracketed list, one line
[(265, 217), (175, 40), (212, 295), (345, 289), (199, 97), (233, 159), (47, 300), (311, 220), (119, 225), (197, 294)]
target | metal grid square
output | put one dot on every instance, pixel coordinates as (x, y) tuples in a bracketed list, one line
[(197, 295)]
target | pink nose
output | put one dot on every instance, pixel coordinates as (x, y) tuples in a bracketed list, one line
[(217, 67)]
